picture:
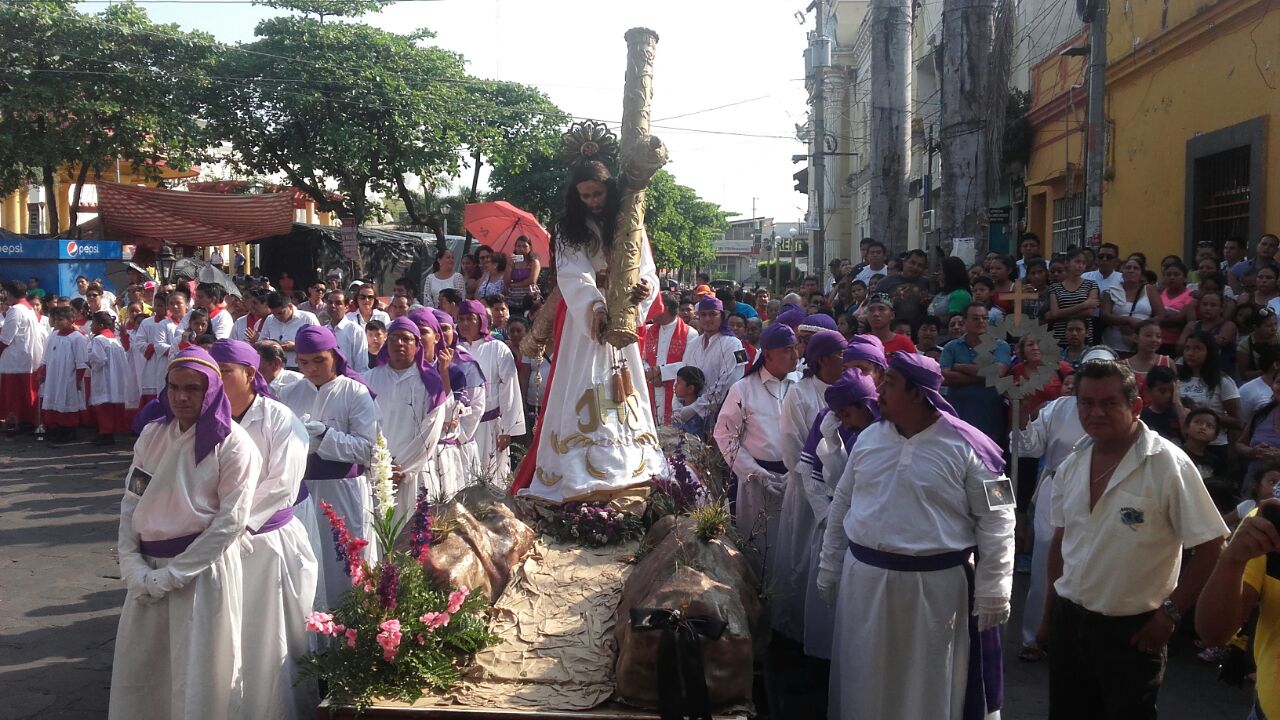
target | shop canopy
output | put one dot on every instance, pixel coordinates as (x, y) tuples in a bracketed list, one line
[(151, 216)]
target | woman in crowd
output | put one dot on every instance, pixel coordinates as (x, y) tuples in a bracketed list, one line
[(1262, 336), (1128, 306), (521, 278), (955, 295), (1073, 297), (1174, 298), (1057, 269), (1003, 271), (1212, 321), (444, 276), (471, 274), (1265, 291), (367, 307), (1147, 351), (1201, 383), (493, 268)]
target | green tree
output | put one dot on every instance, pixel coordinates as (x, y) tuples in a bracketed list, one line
[(681, 226), (328, 8), (537, 185)]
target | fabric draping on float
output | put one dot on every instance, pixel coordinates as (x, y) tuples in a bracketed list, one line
[(150, 215)]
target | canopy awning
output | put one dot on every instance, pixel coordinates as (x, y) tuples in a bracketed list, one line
[(152, 216)]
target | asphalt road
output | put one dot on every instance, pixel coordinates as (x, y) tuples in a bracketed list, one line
[(60, 594)]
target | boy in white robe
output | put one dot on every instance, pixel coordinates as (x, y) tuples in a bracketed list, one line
[(63, 364), (113, 386), (456, 455), (186, 502), (280, 569), (503, 417)]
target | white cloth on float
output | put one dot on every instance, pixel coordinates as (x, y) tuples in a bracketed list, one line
[(281, 574), (412, 429), (335, 469), (504, 407), (178, 656), (63, 355)]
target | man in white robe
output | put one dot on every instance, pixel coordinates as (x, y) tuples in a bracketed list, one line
[(718, 353), (503, 417), (342, 422), (412, 397), (280, 568), (352, 340), (284, 324), (747, 434), (921, 493), (456, 456), (187, 500)]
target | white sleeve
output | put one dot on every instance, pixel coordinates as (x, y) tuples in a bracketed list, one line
[(423, 446), (1033, 441), (357, 445), (9, 330), (648, 273), (510, 401), (576, 277), (469, 421), (132, 566), (730, 425), (795, 428), (834, 540), (721, 373), (96, 357), (993, 532), (283, 466)]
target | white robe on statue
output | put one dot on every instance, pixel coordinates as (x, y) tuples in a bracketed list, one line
[(345, 406), (586, 443), (916, 496), (281, 575), (794, 543), (412, 430), (455, 454), (178, 655), (62, 356), (504, 407)]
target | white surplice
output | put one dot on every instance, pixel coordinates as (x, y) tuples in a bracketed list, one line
[(717, 356), (178, 655), (794, 543), (347, 409), (157, 335), (281, 574), (111, 378), (455, 455), (412, 429), (502, 390), (23, 339), (586, 442), (916, 496), (747, 432), (63, 355)]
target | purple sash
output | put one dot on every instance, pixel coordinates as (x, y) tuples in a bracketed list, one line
[(303, 493), (491, 414), (451, 442), (278, 519), (170, 548), (984, 690), (773, 466), (320, 469)]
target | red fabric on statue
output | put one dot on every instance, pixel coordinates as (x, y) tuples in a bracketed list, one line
[(524, 473)]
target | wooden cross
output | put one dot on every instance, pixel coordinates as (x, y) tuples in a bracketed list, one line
[(1019, 295)]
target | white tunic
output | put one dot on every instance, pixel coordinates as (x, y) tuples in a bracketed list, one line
[(819, 617), (747, 432), (281, 574), (794, 543), (412, 431), (178, 655), (916, 496), (665, 334), (240, 329), (23, 340), (716, 356), (282, 333), (502, 390), (111, 379), (284, 379), (345, 406), (62, 357), (456, 457), (586, 442), (220, 323), (353, 343)]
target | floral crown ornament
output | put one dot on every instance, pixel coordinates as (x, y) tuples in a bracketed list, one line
[(587, 140)]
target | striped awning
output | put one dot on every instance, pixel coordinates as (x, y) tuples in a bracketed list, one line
[(152, 216)]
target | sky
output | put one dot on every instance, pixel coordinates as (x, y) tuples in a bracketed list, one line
[(743, 57)]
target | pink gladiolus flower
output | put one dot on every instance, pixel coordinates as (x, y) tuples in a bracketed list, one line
[(435, 620), (351, 637), (389, 639), (318, 622), (456, 598), (391, 625)]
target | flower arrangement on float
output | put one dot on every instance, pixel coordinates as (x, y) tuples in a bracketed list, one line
[(395, 632)]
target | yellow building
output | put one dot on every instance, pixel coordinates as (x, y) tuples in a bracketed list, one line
[(1192, 98)]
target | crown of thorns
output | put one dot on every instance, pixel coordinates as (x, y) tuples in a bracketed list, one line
[(587, 140)]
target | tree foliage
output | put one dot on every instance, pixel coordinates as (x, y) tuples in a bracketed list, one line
[(681, 226), (328, 8), (536, 185)]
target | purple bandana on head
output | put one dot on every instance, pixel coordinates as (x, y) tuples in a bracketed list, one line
[(711, 302), (925, 374), (866, 347), (214, 423), (430, 376), (426, 317), (242, 353), (477, 308), (853, 388), (773, 338), (817, 321), (821, 344), (317, 338), (791, 316), (463, 360)]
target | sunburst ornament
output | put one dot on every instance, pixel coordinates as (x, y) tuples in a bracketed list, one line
[(587, 140)]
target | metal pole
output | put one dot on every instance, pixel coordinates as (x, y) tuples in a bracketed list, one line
[(1097, 121), (818, 237)]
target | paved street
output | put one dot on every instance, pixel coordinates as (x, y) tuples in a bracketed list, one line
[(59, 594)]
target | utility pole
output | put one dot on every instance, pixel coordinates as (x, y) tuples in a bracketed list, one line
[(967, 27), (890, 121), (821, 53), (1095, 151)]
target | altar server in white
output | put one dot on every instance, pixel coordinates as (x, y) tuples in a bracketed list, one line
[(64, 362), (186, 503), (747, 434), (412, 397), (113, 386), (341, 419), (503, 416), (921, 493), (22, 342), (456, 456), (280, 568)]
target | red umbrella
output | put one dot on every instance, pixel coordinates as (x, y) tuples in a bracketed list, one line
[(498, 224)]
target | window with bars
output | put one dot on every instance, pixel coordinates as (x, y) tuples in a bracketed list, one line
[(1068, 222), (1222, 196)]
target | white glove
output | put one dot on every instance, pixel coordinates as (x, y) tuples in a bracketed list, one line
[(991, 611), (774, 486), (314, 428), (136, 582), (158, 582), (828, 586)]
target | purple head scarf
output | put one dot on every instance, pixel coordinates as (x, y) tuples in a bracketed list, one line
[(242, 353), (853, 388), (925, 374), (774, 337), (317, 338), (463, 360), (816, 322), (865, 347), (430, 376), (711, 302), (477, 308), (790, 315), (214, 423), (426, 317), (820, 345)]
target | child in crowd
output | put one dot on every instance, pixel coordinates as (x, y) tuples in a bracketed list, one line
[(688, 386), (984, 290), (499, 314), (1077, 333), (927, 337), (902, 327), (1263, 480), (62, 372), (112, 383), (375, 333), (197, 327), (1162, 411), (1199, 430)]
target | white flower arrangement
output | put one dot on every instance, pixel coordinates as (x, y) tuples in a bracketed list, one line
[(384, 495)]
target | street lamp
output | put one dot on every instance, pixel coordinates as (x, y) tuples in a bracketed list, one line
[(445, 209), (164, 264)]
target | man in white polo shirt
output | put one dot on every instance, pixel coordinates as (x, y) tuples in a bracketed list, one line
[(284, 324), (1125, 505)]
